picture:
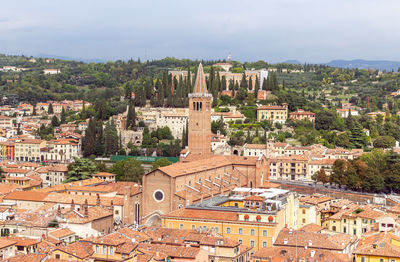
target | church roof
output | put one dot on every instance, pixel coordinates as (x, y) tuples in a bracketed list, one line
[(200, 85)]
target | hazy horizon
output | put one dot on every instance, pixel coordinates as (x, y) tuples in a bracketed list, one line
[(273, 31)]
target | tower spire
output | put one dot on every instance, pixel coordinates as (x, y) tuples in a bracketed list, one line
[(200, 85)]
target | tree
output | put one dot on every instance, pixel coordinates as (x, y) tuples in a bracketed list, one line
[(110, 139), (133, 170), (131, 116), (241, 94), (54, 121), (342, 140), (320, 176), (160, 163), (63, 116), (99, 138), (325, 120), (2, 176), (384, 142), (50, 110), (81, 168), (89, 139)]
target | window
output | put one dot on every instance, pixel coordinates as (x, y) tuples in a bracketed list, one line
[(58, 256), (97, 249), (181, 226), (355, 222), (252, 243), (381, 260), (104, 250), (303, 220), (240, 231), (393, 260), (354, 231), (112, 250), (193, 227), (344, 229), (344, 220), (252, 232), (304, 211), (228, 230), (240, 241), (158, 195), (264, 233), (264, 244)]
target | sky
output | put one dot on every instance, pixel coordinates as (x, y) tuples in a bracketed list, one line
[(314, 31)]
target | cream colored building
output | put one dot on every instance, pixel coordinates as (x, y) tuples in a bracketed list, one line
[(273, 113), (27, 149)]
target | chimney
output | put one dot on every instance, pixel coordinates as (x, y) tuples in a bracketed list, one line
[(72, 205), (86, 208), (309, 243), (312, 253), (98, 199), (59, 211)]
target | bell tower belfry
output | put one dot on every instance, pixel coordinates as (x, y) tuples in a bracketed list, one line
[(200, 116)]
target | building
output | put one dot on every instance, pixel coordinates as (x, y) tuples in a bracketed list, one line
[(254, 149), (284, 254), (378, 247), (273, 113), (316, 165), (224, 66), (340, 243), (344, 113), (27, 149), (5, 122), (289, 168), (253, 217), (302, 115), (180, 184), (354, 219), (200, 117), (50, 71)]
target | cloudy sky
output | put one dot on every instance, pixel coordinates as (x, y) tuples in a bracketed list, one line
[(306, 30)]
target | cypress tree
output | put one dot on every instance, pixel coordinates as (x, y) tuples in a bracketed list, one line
[(131, 117), (256, 88), (243, 83), (89, 139), (223, 83), (250, 83), (110, 139), (63, 116), (50, 110), (54, 121), (99, 146), (265, 84)]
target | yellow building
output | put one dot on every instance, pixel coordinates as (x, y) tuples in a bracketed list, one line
[(273, 113), (308, 214), (27, 149), (355, 220), (250, 222), (378, 247)]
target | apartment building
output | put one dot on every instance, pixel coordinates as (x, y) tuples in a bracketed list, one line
[(27, 149), (289, 168)]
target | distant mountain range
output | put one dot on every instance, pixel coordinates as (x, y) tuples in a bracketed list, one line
[(358, 63), (366, 64)]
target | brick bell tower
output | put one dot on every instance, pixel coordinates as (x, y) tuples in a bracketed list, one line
[(200, 117)]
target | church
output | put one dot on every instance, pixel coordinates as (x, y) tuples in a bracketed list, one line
[(199, 175)]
